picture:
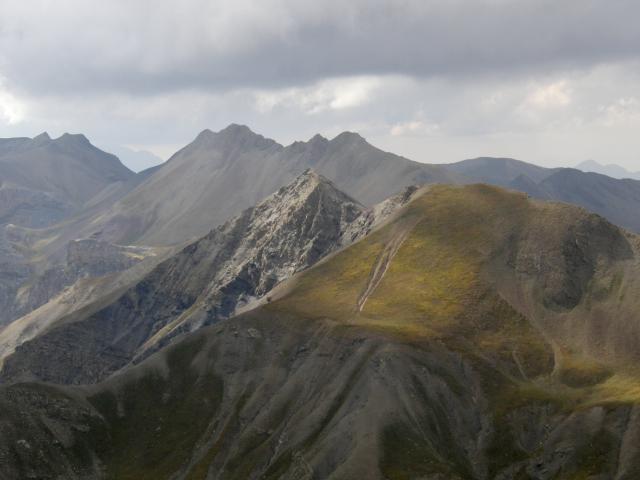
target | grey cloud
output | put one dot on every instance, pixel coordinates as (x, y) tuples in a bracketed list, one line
[(553, 82), (147, 47)]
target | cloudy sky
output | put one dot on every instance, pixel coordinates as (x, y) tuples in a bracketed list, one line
[(547, 81)]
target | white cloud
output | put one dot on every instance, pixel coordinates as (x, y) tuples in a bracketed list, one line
[(414, 128), (330, 94), (552, 95), (623, 112), (12, 110)]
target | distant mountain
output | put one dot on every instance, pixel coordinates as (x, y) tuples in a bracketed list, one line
[(229, 269), (478, 334), (136, 160), (617, 200), (68, 169), (611, 170), (499, 171), (220, 174)]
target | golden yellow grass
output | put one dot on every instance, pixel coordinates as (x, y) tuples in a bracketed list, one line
[(434, 289)]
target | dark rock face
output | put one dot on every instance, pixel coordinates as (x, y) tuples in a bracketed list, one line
[(85, 258), (93, 258), (579, 256), (46, 434), (15, 270), (31, 208)]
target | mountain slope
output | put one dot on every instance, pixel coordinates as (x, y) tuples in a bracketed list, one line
[(234, 265), (47, 188), (499, 171), (617, 200), (68, 169), (220, 174), (477, 335), (95, 275)]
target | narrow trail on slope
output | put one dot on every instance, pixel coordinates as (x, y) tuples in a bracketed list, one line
[(382, 265)]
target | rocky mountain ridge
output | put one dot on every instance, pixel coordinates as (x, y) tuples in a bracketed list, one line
[(230, 268), (235, 168)]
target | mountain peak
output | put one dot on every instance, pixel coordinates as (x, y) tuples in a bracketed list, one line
[(317, 139), (203, 136), (232, 136), (589, 163), (310, 179), (236, 129), (316, 144), (43, 137), (205, 133), (73, 139), (306, 181), (302, 187), (349, 138)]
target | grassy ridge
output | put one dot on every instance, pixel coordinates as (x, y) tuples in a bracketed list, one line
[(436, 289), (156, 421), (433, 288)]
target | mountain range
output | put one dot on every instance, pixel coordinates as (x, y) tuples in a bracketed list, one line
[(611, 170), (615, 199), (318, 310), (220, 174)]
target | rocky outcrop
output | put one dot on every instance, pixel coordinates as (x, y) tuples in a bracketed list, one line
[(15, 270), (228, 270), (85, 258), (30, 208)]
